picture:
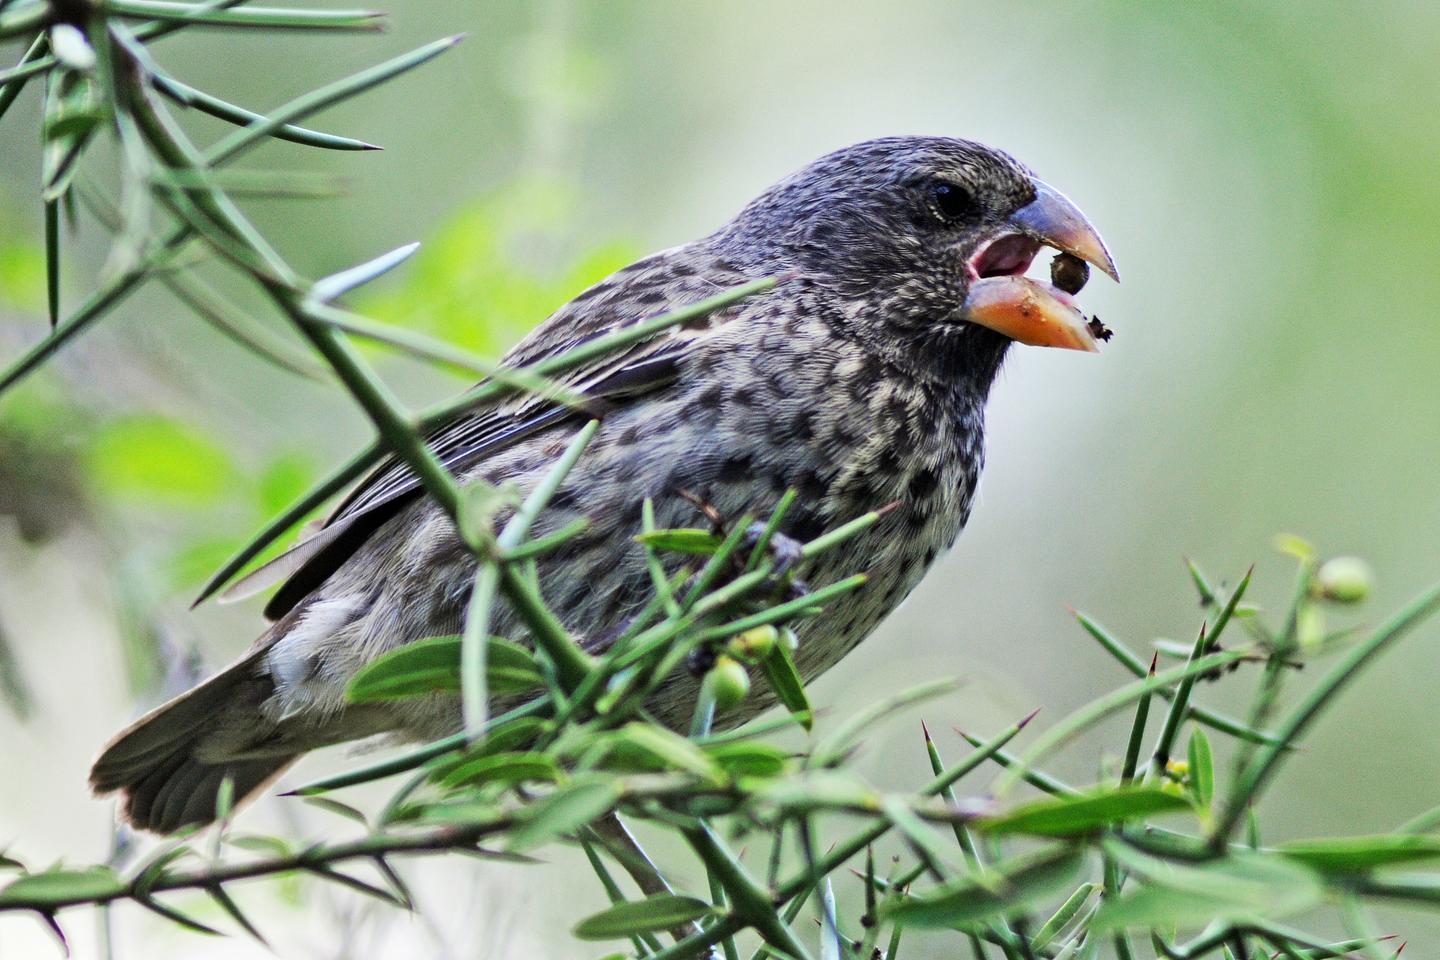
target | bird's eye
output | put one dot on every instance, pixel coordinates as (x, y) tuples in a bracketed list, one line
[(952, 201)]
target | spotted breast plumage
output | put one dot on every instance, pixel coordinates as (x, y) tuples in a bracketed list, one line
[(859, 380)]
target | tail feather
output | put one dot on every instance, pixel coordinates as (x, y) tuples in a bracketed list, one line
[(159, 767), (184, 791)]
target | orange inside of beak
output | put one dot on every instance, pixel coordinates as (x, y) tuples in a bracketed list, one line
[(1030, 312)]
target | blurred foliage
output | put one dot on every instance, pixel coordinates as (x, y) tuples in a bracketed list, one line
[(22, 275), (41, 447), (492, 271), (159, 460)]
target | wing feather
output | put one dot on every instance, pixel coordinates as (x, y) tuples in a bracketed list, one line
[(646, 289)]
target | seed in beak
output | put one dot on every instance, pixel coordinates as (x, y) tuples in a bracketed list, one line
[(1069, 273)]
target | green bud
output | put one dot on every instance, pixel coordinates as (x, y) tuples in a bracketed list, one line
[(1309, 626), (753, 645), (789, 640), (728, 683), (1298, 548), (1344, 580)]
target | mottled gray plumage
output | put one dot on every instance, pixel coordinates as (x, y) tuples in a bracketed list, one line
[(856, 381)]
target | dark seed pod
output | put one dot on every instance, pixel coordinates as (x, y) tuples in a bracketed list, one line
[(1069, 273), (701, 659)]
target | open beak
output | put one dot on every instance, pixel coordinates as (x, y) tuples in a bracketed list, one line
[(1032, 311)]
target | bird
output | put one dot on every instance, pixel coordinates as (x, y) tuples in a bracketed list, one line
[(859, 380)]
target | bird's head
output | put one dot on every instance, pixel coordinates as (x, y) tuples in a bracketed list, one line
[(926, 241)]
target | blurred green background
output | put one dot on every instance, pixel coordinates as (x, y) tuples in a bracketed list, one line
[(1265, 174)]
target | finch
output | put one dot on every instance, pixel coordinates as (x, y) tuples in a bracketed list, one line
[(859, 380)]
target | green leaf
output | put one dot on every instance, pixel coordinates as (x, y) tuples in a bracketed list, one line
[(1009, 888), (817, 789), (1202, 768), (223, 899), (683, 540), (785, 680), (257, 843), (52, 260), (1353, 854), (225, 799), (1058, 921), (73, 111), (1083, 814), (339, 809), (306, 104), (188, 96), (564, 811), (269, 17), (510, 737), (433, 666), (338, 284), (176, 917), (55, 888), (80, 122), (663, 911), (1238, 888), (661, 749), (741, 759), (507, 768)]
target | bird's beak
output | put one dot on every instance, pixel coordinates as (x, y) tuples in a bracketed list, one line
[(1031, 311)]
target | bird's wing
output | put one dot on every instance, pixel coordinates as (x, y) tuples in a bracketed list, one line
[(647, 289)]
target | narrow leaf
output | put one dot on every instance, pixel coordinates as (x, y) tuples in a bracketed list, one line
[(57, 888), (1240, 887), (338, 284), (222, 897), (669, 750), (1202, 768), (1354, 854), (507, 768), (305, 105), (268, 17), (682, 540), (1087, 813), (200, 100), (1057, 922), (433, 666), (52, 260), (663, 911), (564, 811), (789, 688), (740, 759)]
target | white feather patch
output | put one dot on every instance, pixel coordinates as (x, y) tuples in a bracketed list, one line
[(297, 660)]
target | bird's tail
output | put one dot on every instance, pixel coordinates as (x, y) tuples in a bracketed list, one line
[(164, 765)]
